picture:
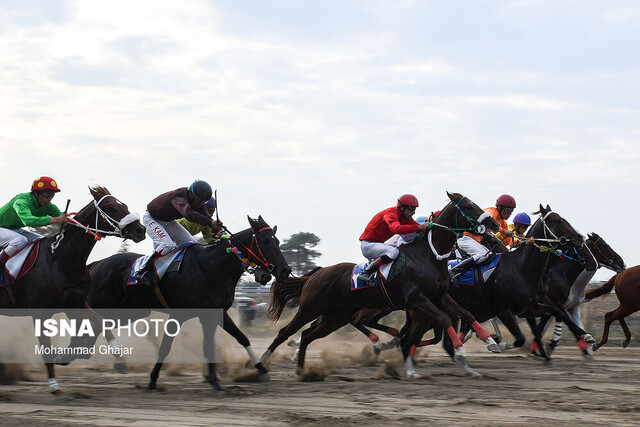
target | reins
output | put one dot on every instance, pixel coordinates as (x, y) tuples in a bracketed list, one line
[(97, 233)]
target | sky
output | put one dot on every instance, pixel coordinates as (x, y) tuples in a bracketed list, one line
[(317, 115)]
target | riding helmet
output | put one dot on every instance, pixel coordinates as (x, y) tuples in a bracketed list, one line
[(407, 200), (201, 190), (45, 183), (522, 219), (507, 201)]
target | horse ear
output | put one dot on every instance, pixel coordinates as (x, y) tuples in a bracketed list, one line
[(251, 220), (260, 218), (541, 209), (548, 207), (451, 196), (275, 229)]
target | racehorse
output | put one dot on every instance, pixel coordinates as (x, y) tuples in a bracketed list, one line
[(568, 280), (206, 279), (421, 286), (627, 287), (517, 285), (59, 278)]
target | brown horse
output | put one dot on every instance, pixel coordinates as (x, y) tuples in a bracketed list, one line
[(421, 286), (627, 287), (59, 278)]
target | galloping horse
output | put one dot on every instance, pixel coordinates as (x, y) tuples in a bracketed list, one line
[(421, 286), (568, 280), (206, 279), (627, 287), (59, 278), (517, 286)]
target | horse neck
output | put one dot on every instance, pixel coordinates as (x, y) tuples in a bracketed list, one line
[(74, 248), (215, 257)]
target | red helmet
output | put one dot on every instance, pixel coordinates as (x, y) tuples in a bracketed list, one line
[(45, 183), (407, 200), (507, 201)]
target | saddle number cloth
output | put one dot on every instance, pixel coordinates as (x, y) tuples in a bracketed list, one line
[(20, 263), (161, 264), (359, 268), (478, 274)]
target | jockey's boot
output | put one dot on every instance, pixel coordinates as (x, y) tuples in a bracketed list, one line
[(462, 266), (367, 274), (3, 260), (145, 274)]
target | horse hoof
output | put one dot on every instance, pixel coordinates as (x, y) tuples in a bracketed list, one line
[(589, 339), (293, 343), (377, 348), (594, 347), (586, 355), (216, 389), (62, 398), (549, 363), (264, 378), (120, 368), (625, 344), (494, 348), (472, 373), (413, 375), (150, 389)]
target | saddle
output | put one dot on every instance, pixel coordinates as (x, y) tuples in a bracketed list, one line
[(161, 265), (479, 274), (385, 273), (20, 263)]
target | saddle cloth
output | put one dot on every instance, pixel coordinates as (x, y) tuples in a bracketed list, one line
[(20, 263), (478, 275), (386, 272), (161, 265)]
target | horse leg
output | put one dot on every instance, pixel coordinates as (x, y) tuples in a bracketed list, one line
[(618, 314), (537, 346), (54, 387), (627, 332), (416, 330), (510, 322), (232, 329), (425, 307), (578, 332), (327, 323), (453, 309), (165, 347), (301, 318)]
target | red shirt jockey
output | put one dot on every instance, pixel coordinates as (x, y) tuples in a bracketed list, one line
[(394, 220)]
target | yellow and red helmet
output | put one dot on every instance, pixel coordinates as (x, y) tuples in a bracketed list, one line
[(45, 183)]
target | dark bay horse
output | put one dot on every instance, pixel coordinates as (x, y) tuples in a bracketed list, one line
[(421, 286), (59, 278), (206, 279), (517, 286), (567, 282), (627, 287)]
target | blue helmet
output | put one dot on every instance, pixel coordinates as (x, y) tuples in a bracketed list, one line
[(522, 219), (211, 204), (421, 219)]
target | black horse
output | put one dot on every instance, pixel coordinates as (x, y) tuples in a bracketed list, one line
[(206, 279), (421, 286), (567, 282), (517, 286), (59, 278)]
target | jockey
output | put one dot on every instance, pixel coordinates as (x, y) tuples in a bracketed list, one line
[(393, 220), (162, 226), (32, 209), (505, 204), (521, 222), (194, 228)]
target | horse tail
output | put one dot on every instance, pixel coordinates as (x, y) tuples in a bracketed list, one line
[(286, 293), (602, 290)]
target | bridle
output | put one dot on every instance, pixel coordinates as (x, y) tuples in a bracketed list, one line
[(259, 257), (476, 227), (609, 262), (97, 233)]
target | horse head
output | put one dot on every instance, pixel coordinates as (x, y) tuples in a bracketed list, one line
[(553, 230), (604, 254), (108, 215), (464, 215), (267, 249)]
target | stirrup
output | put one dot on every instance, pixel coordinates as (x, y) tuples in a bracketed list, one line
[(367, 279)]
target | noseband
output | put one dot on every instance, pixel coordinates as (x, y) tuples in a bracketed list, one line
[(254, 240)]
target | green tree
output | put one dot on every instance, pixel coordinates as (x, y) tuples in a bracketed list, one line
[(299, 253)]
